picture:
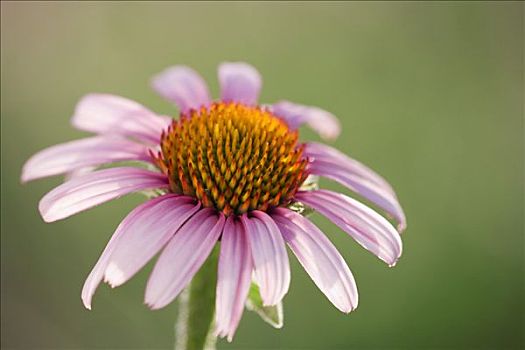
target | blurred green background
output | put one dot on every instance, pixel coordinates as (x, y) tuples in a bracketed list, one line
[(429, 94)]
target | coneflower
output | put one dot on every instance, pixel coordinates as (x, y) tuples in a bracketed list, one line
[(228, 170)]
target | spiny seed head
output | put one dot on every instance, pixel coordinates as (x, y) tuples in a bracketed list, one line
[(232, 157)]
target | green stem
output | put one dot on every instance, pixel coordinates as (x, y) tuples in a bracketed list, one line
[(194, 327)]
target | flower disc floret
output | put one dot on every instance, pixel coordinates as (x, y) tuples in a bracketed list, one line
[(232, 157)]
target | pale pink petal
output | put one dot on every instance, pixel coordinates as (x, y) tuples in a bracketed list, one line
[(330, 163), (271, 266), (321, 153), (183, 86), (147, 230), (319, 258), (97, 273), (183, 256), (139, 213), (368, 228), (79, 172), (233, 279), (295, 115), (240, 82), (73, 155), (87, 191), (111, 114)]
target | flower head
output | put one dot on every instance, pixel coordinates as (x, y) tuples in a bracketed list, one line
[(228, 170)]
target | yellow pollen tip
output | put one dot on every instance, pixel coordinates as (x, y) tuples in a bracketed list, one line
[(232, 157)]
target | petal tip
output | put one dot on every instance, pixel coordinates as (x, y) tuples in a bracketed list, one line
[(27, 175), (222, 333), (24, 178), (46, 212), (240, 82), (114, 276), (155, 302), (151, 305), (393, 263), (48, 220), (182, 86), (350, 308), (86, 301), (47, 217)]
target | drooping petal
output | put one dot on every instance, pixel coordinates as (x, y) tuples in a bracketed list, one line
[(87, 191), (330, 163), (183, 256), (97, 273), (170, 209), (368, 228), (111, 114), (77, 154), (240, 82), (319, 257), (271, 266), (183, 86), (233, 279), (295, 115), (147, 230)]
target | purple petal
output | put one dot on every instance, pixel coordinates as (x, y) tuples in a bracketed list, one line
[(183, 256), (147, 230), (97, 273), (295, 115), (330, 163), (271, 266), (183, 86), (70, 156), (168, 209), (87, 191), (322, 153), (368, 228), (234, 278), (110, 114), (240, 82), (319, 258)]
